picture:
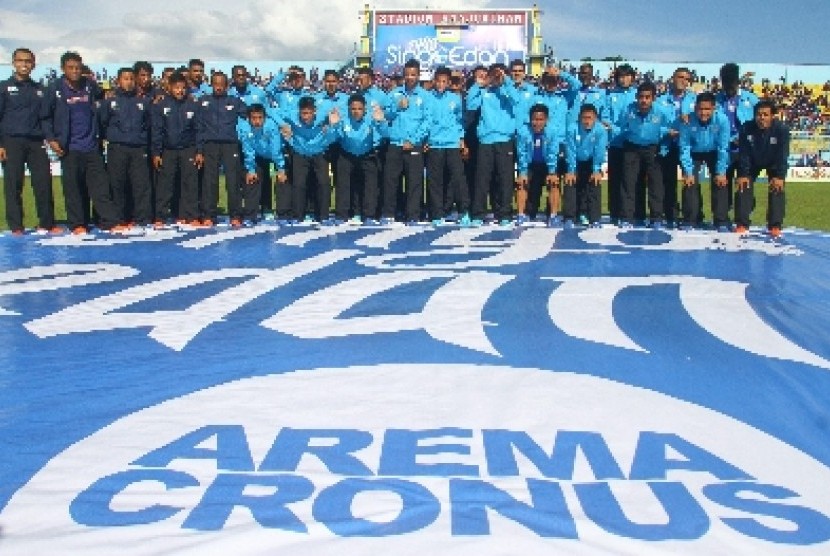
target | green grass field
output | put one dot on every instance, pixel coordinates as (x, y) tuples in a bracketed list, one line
[(807, 205)]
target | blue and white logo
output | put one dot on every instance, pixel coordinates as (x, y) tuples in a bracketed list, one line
[(415, 390)]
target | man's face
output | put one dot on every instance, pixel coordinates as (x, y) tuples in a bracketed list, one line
[(704, 110), (219, 84), (480, 74), (763, 117), (586, 75), (330, 83), (357, 109), (143, 78), (72, 70), (680, 81), (297, 80), (625, 80), (196, 73), (126, 81), (307, 115), (538, 121), (256, 119), (364, 80), (644, 101), (587, 119), (517, 72), (410, 77), (441, 82), (240, 77), (23, 63), (178, 90)]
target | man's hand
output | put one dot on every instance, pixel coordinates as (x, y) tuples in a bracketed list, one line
[(721, 181), (285, 131), (2, 154), (521, 182), (334, 116), (403, 104), (552, 180), (776, 184), (596, 178), (199, 160), (407, 146), (282, 177), (570, 179), (157, 163), (377, 113), (688, 181), (742, 183), (56, 148)]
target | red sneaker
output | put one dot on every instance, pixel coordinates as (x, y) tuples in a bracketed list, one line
[(775, 232), (741, 230), (78, 230)]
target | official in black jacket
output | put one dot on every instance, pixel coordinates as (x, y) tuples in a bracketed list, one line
[(21, 143), (763, 144)]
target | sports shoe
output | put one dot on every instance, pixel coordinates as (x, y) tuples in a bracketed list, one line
[(293, 222), (79, 230), (248, 223), (521, 219), (236, 223), (775, 232), (120, 229), (724, 229), (158, 225), (308, 218), (595, 225), (476, 223), (386, 221), (554, 221), (268, 216), (624, 225), (437, 222), (412, 223), (355, 220), (207, 223), (505, 222), (569, 224), (741, 230), (18, 232), (282, 222), (465, 221), (371, 222), (583, 220), (54, 230), (686, 227), (657, 224)]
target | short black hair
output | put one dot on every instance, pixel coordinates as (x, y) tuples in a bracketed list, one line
[(70, 57), (624, 69), (307, 102), (125, 69), (195, 62), (142, 65), (518, 62), (765, 103), (539, 109), (24, 50), (412, 63), (587, 107), (443, 70), (705, 96), (220, 74), (365, 71), (177, 77), (239, 67), (730, 73), (357, 97), (647, 86), (256, 108), (331, 72)]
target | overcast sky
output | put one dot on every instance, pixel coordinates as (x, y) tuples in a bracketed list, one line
[(659, 30)]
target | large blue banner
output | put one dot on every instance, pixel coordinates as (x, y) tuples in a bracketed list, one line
[(415, 390)]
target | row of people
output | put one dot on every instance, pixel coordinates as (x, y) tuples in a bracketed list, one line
[(373, 139)]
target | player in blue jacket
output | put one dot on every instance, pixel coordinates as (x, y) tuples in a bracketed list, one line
[(125, 123), (554, 98), (643, 128), (679, 103), (537, 151), (308, 138), (261, 144), (408, 113), (619, 99), (444, 157), (704, 139), (585, 148), (360, 136), (495, 97)]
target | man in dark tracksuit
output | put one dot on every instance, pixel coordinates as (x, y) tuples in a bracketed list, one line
[(70, 126), (173, 148), (218, 145), (764, 144), (21, 143), (125, 122)]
